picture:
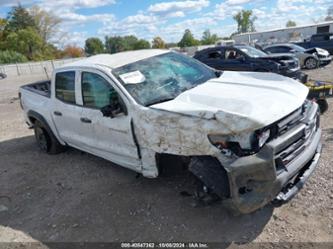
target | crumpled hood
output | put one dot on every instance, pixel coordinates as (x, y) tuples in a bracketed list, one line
[(319, 51), (240, 100)]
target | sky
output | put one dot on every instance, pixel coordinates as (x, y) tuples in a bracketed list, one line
[(168, 19)]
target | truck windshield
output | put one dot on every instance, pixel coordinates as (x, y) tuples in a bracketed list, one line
[(163, 77)]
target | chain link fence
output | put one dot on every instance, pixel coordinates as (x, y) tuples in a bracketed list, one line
[(31, 68)]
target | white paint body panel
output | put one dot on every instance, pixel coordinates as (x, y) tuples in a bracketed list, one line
[(242, 94), (234, 105)]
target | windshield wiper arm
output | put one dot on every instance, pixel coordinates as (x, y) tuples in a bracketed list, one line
[(218, 73), (154, 102)]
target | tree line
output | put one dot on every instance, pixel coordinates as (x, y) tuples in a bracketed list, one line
[(115, 44), (27, 34)]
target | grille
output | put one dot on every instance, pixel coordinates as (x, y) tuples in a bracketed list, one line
[(284, 156)]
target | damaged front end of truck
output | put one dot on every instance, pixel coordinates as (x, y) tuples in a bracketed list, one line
[(249, 137), (276, 169), (236, 157)]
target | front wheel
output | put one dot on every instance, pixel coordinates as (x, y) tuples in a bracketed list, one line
[(323, 105), (311, 63), (45, 139)]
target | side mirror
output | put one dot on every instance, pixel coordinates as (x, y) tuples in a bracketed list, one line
[(292, 51), (111, 110)]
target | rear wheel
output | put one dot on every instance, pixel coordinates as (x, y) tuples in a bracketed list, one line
[(311, 63), (45, 139)]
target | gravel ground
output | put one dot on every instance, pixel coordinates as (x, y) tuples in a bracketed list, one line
[(76, 197)]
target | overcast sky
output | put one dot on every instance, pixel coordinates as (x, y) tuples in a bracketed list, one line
[(169, 19)]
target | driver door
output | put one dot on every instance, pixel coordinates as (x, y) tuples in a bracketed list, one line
[(107, 137), (234, 60)]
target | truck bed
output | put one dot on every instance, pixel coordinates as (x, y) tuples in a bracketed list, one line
[(40, 87)]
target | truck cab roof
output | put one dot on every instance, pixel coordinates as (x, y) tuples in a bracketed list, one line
[(115, 60)]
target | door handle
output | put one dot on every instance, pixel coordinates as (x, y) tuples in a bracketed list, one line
[(57, 113), (85, 120)]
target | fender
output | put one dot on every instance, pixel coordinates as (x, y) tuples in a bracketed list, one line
[(40, 118)]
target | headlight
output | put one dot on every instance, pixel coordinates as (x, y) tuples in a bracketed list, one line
[(263, 137), (228, 148)]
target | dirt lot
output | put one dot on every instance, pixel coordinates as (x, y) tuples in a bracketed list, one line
[(78, 197)]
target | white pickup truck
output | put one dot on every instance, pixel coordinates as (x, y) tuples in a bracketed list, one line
[(249, 138)]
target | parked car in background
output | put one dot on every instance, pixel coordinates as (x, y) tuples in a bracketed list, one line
[(247, 137), (247, 58), (308, 58), (2, 76), (324, 41)]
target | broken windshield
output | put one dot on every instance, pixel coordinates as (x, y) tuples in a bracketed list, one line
[(162, 78)]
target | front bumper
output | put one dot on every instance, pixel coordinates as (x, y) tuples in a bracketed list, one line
[(325, 61), (258, 179)]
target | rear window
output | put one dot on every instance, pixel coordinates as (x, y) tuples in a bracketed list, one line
[(65, 87)]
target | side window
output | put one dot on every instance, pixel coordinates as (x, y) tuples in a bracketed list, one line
[(214, 55), (232, 54), (65, 86), (269, 50), (96, 91), (284, 49)]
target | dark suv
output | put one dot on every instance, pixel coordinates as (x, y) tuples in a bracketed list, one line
[(247, 58)]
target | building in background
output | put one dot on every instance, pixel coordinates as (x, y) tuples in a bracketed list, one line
[(291, 34)]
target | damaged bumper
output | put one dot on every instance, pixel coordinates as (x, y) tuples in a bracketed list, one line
[(323, 61), (278, 171)]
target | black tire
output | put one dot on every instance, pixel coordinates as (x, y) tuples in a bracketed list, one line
[(311, 63), (323, 105), (45, 139)]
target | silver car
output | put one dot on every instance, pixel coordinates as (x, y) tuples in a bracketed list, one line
[(308, 58)]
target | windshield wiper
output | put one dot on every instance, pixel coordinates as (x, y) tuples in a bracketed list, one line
[(218, 73), (154, 102)]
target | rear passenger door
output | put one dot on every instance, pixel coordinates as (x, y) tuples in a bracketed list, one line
[(66, 113)]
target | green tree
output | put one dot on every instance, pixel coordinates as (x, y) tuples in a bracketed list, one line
[(117, 44), (245, 21), (27, 42), (94, 46), (7, 57), (47, 24), (188, 40), (19, 18), (171, 45), (3, 23), (208, 38), (114, 44), (291, 24), (141, 44), (158, 42), (129, 42)]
